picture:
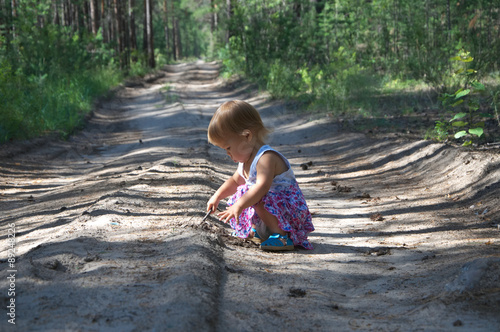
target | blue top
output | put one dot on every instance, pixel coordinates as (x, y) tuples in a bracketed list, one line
[(280, 181)]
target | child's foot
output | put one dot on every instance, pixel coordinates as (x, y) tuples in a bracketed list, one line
[(277, 242), (254, 233), (252, 236)]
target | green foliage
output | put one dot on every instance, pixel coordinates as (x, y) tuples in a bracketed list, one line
[(232, 62), (344, 85), (49, 79), (440, 132), (468, 123), (139, 68), (283, 81), (335, 55), (33, 107), (50, 73)]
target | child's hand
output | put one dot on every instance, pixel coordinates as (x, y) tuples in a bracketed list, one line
[(231, 212), (212, 204)]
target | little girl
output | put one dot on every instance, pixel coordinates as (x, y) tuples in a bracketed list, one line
[(265, 194)]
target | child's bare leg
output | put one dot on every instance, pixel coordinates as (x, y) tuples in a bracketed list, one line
[(269, 220)]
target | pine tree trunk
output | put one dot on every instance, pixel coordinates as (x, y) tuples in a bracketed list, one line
[(165, 23), (86, 16), (76, 17), (117, 22), (213, 27), (104, 22), (229, 8), (213, 18), (175, 51), (178, 47), (125, 33), (110, 21), (396, 28), (132, 34), (93, 17), (145, 29), (56, 19), (149, 32), (448, 18)]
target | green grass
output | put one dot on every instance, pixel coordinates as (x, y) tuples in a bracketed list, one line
[(39, 105)]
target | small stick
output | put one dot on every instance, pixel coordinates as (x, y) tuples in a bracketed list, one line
[(206, 216), (208, 213)]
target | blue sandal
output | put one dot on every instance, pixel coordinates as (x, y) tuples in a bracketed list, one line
[(277, 242), (255, 234)]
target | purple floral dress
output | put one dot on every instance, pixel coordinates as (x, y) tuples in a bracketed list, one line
[(284, 200)]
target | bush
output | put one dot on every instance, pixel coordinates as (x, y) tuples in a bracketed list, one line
[(50, 103), (49, 78)]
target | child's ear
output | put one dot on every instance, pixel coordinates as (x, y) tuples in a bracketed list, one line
[(247, 134)]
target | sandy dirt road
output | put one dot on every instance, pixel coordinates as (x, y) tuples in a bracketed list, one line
[(109, 237)]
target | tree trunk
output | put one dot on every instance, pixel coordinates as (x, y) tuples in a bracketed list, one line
[(125, 32), (76, 17), (122, 32), (148, 10), (229, 32), (119, 31), (56, 19), (86, 16), (103, 17), (145, 29), (175, 51), (396, 28), (448, 18), (93, 17), (427, 21), (213, 18), (165, 24), (213, 27), (178, 47), (111, 21), (132, 34), (67, 13)]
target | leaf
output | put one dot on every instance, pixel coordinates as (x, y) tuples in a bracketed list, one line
[(462, 93), (459, 124), (458, 116), (473, 106), (460, 134), (466, 143), (476, 131), (478, 86), (457, 103), (485, 115)]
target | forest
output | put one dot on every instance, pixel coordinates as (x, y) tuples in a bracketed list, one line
[(350, 59)]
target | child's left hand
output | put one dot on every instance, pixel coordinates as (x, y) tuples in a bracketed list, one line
[(231, 212)]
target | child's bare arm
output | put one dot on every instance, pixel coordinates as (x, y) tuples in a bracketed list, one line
[(268, 167), (227, 188)]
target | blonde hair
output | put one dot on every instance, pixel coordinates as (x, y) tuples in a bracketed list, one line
[(233, 117)]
